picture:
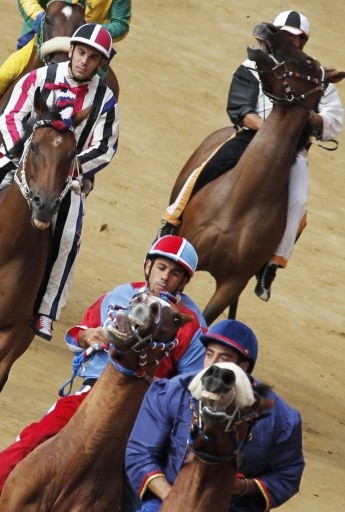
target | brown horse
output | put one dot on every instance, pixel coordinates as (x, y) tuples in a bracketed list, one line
[(26, 209), (61, 20), (80, 469), (236, 221), (221, 424)]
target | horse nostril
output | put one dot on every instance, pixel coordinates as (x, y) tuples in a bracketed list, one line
[(37, 202)]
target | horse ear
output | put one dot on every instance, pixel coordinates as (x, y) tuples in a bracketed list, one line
[(185, 319), (80, 116), (40, 105), (334, 76)]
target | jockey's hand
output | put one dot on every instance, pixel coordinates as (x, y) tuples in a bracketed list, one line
[(316, 123), (92, 336)]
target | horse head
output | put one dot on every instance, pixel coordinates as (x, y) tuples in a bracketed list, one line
[(144, 333), (48, 161), (224, 412), (61, 20), (288, 75)]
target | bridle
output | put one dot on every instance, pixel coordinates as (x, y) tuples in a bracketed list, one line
[(289, 96), (142, 346), (20, 174), (232, 420)]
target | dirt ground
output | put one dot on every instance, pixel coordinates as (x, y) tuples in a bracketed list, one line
[(174, 70)]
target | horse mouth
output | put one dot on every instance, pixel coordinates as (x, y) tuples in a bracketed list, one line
[(40, 225), (120, 329)]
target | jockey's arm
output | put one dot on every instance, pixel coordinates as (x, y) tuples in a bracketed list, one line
[(252, 121), (331, 111), (103, 142), (30, 9), (118, 19)]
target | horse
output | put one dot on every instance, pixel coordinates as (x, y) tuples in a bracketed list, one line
[(61, 20), (223, 417), (81, 467), (236, 221), (27, 207)]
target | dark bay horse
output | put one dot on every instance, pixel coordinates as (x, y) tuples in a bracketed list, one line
[(27, 207), (61, 20), (236, 221), (221, 424), (80, 469)]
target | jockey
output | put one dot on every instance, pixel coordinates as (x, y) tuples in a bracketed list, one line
[(114, 15), (247, 108), (77, 81), (272, 462), (168, 267)]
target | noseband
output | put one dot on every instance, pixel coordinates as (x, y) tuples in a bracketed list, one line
[(20, 179), (233, 421), (289, 96), (142, 346)]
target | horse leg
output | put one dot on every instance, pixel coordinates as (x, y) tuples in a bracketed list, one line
[(233, 310), (226, 294), (13, 343)]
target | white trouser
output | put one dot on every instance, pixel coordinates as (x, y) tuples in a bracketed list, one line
[(57, 287), (297, 204)]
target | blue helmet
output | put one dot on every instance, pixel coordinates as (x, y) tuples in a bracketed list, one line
[(235, 335), (177, 249)]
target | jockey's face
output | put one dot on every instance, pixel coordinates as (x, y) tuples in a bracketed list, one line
[(219, 353), (165, 275), (84, 61)]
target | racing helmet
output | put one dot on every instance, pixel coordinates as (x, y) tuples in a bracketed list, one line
[(94, 35), (235, 335), (293, 22), (177, 249)]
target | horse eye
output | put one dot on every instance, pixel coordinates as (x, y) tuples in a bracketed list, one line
[(48, 20), (34, 147)]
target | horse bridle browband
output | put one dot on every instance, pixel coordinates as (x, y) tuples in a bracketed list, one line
[(21, 180), (289, 95)]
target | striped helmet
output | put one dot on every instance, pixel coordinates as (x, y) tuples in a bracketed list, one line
[(94, 35), (177, 249)]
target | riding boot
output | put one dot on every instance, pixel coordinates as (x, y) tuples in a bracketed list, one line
[(265, 278)]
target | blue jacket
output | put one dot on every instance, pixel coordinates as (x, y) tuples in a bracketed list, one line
[(273, 457)]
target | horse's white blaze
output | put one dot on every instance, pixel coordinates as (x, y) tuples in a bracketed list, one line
[(67, 11)]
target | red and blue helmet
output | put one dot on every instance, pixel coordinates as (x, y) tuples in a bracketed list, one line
[(94, 35), (235, 335), (177, 249)]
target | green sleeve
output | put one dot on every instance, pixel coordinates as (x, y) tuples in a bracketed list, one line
[(119, 19)]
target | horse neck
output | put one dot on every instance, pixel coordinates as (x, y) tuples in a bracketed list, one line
[(277, 139), (201, 487), (108, 414)]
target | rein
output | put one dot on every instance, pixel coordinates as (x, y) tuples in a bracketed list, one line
[(289, 94), (142, 346), (20, 179)]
